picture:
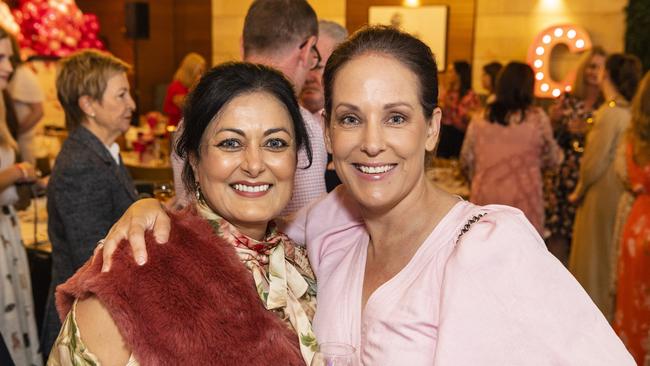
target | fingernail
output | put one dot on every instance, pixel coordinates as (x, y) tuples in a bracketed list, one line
[(140, 260), (104, 268)]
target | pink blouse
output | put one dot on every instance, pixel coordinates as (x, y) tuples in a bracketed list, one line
[(497, 297), (505, 162)]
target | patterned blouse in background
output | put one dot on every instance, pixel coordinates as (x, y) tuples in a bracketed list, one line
[(570, 132), (632, 319), (17, 321), (456, 114), (456, 110)]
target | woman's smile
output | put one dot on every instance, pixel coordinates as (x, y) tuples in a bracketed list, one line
[(251, 189), (374, 171)]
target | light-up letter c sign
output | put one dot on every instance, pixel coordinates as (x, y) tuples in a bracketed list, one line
[(539, 56)]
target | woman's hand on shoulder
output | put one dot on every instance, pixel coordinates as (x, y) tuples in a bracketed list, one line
[(143, 215)]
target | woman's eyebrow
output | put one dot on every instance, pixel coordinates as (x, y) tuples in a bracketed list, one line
[(398, 104), (234, 130), (271, 131), (347, 105)]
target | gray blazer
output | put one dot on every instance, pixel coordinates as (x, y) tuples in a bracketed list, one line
[(88, 191)]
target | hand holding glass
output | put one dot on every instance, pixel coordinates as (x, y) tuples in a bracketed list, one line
[(334, 354)]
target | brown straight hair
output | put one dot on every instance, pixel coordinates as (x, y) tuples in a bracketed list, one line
[(271, 25)]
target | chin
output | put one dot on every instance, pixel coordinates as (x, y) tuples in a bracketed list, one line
[(375, 199), (256, 215)]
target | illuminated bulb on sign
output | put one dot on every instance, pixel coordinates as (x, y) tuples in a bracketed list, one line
[(567, 88), (540, 54), (412, 3)]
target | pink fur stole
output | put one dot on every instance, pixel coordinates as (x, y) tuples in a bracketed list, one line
[(192, 303)]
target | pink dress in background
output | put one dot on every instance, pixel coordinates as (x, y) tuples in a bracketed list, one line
[(505, 162), (497, 297)]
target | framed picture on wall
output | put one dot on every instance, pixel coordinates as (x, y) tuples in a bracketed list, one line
[(429, 23)]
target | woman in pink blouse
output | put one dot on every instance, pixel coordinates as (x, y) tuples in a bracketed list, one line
[(407, 273), (506, 149)]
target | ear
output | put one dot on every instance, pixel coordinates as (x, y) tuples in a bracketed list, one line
[(327, 132), (433, 130), (86, 104), (305, 52), (241, 47)]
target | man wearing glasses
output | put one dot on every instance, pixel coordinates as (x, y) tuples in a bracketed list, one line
[(312, 96)]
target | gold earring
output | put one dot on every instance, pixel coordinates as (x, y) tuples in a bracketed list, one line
[(198, 192)]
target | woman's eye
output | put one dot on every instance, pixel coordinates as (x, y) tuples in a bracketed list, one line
[(230, 144), (349, 121), (276, 144), (396, 120)]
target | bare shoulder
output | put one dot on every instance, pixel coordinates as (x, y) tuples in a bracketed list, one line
[(100, 333)]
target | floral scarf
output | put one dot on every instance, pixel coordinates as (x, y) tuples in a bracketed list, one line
[(283, 277)]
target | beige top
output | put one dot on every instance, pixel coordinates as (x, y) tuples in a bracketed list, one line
[(69, 347)]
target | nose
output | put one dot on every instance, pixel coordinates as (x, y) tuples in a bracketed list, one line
[(131, 102), (373, 142), (6, 65), (253, 162)]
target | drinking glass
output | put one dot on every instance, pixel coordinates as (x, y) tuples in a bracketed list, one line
[(334, 354), (163, 192)]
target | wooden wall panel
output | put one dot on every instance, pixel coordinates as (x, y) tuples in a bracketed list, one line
[(111, 16), (192, 29), (176, 27)]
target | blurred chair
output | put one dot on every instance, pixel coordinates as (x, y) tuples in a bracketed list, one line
[(150, 174)]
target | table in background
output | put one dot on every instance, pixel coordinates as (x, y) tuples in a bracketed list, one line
[(447, 175), (33, 229)]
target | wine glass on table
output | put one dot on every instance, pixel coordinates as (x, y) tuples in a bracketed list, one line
[(334, 354), (164, 191)]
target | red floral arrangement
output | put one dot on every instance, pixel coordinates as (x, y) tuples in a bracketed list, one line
[(55, 27)]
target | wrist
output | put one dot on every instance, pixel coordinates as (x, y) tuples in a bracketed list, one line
[(22, 170)]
